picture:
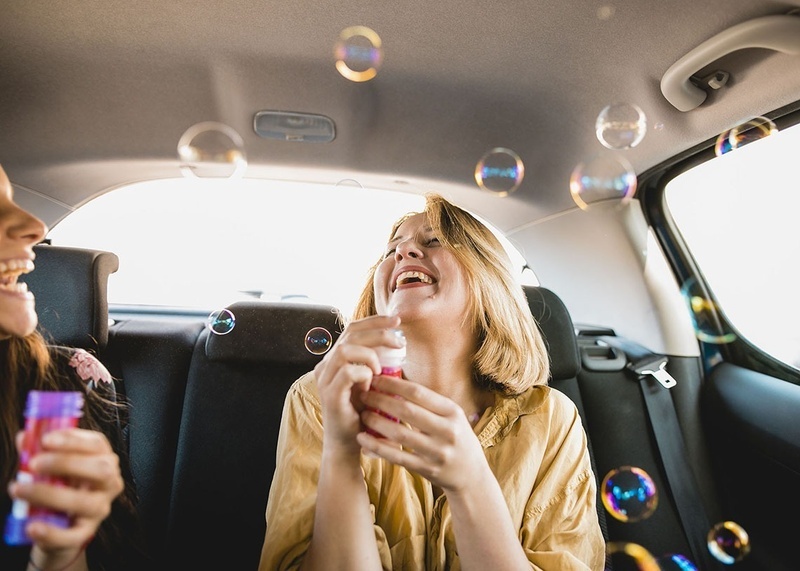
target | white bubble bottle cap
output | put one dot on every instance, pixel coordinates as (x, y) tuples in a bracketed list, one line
[(392, 356)]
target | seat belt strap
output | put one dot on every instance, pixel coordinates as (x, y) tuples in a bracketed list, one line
[(655, 383)]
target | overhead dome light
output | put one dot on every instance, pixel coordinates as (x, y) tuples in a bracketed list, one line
[(298, 127)]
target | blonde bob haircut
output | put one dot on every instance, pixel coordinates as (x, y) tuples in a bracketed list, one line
[(511, 355)]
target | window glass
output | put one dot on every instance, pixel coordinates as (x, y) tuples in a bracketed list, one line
[(738, 214), (204, 243)]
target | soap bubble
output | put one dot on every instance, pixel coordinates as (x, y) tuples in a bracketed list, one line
[(499, 171), (318, 341), (628, 556), (211, 150), (629, 494), (621, 126), (708, 326), (221, 322), (358, 53), (753, 130), (728, 542), (601, 178), (675, 562), (349, 183)]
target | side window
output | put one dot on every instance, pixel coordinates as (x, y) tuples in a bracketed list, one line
[(738, 215)]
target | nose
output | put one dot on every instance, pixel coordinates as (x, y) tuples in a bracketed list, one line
[(407, 249), (24, 226)]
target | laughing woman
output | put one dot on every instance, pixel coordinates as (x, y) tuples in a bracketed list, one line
[(488, 466), (99, 496)]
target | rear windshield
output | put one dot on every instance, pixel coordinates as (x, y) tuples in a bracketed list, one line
[(204, 243)]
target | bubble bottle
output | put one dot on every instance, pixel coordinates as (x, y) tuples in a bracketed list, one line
[(45, 411), (391, 360)]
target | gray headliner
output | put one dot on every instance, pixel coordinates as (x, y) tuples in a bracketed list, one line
[(94, 95)]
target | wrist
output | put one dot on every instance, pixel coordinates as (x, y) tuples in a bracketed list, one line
[(66, 559)]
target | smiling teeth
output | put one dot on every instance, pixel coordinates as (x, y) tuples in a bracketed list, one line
[(17, 287), (405, 277), (16, 267)]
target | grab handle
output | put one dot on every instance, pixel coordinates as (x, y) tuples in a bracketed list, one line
[(778, 32)]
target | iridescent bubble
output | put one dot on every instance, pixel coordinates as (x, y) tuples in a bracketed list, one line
[(628, 556), (629, 494), (318, 341), (603, 177), (221, 322), (675, 562), (753, 130), (621, 126), (358, 53), (500, 171), (211, 150), (708, 327), (728, 542)]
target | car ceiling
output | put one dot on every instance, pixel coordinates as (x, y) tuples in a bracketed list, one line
[(96, 94)]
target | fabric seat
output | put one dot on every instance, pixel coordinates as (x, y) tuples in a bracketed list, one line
[(71, 285)]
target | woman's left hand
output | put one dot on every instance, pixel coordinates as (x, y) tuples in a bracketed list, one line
[(89, 465), (434, 435)]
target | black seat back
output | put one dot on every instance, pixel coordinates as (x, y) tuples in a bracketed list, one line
[(229, 428), (70, 285)]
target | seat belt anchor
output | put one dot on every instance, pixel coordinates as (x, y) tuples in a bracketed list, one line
[(655, 365)]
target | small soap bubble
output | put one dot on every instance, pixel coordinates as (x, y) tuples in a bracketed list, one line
[(753, 130), (318, 341), (628, 556), (708, 327), (221, 322), (358, 53), (211, 150), (499, 171), (728, 542), (629, 494), (675, 562), (603, 177), (621, 126), (349, 183)]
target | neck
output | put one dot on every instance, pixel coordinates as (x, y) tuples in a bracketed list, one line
[(445, 365)]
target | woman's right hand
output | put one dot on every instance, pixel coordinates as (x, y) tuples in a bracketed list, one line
[(345, 372), (87, 462)]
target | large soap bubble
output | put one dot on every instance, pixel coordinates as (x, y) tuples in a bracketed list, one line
[(211, 150)]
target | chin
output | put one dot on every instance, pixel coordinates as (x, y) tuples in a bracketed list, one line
[(21, 327)]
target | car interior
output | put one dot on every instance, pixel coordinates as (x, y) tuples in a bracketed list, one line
[(574, 129)]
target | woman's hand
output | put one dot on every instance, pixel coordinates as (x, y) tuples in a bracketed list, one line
[(346, 372), (433, 438), (85, 460)]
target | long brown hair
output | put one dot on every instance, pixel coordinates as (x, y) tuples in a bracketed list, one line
[(28, 363), (512, 355)]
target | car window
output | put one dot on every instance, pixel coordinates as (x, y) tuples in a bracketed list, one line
[(204, 243), (737, 214)]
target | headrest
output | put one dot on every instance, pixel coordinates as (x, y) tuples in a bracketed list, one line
[(71, 287), (275, 331), (556, 326)]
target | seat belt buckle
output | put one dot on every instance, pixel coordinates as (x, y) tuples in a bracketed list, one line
[(655, 366)]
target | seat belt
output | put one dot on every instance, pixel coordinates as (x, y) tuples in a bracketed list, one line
[(655, 382)]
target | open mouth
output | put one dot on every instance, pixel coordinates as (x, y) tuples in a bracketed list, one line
[(412, 277), (10, 271)]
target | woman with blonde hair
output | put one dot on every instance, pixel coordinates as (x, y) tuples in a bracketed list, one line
[(470, 461)]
